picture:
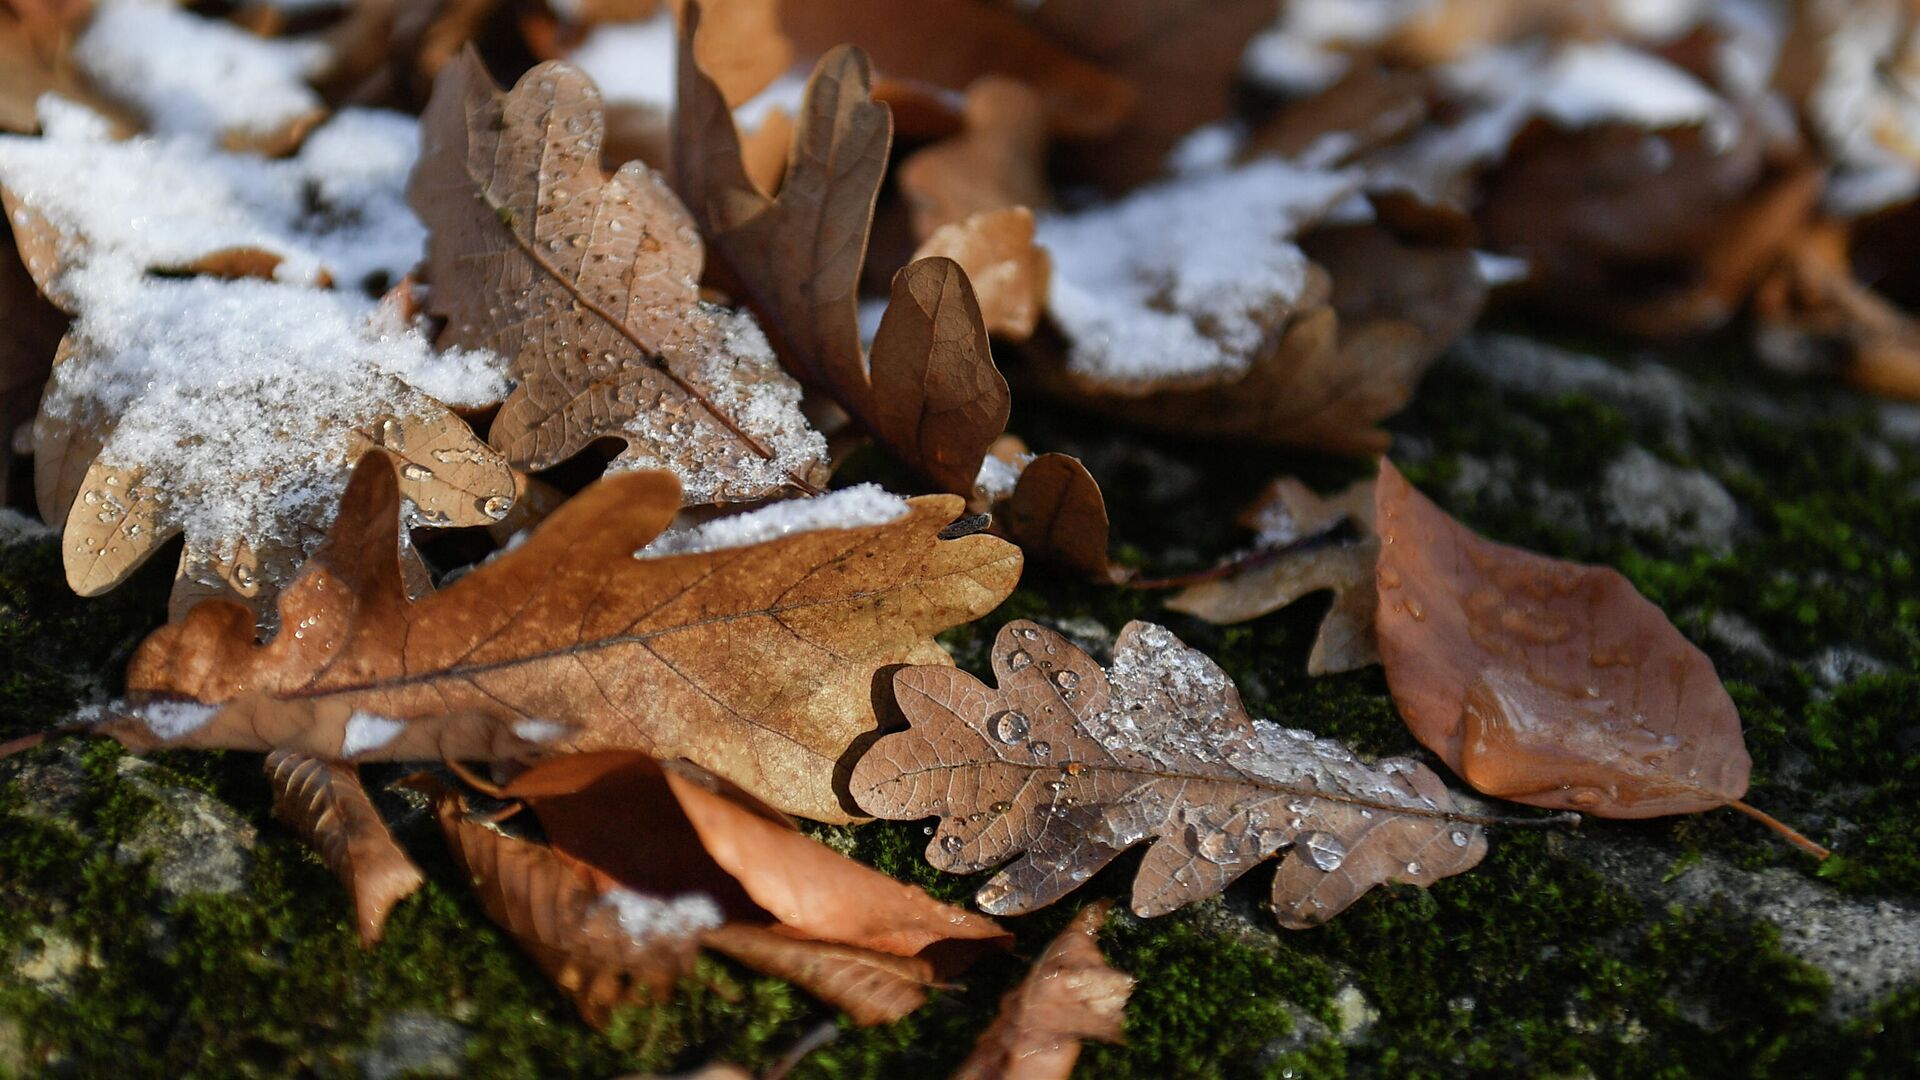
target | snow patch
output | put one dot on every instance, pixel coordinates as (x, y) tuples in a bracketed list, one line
[(1189, 278), (647, 919), (998, 477), (169, 720), (857, 507), (539, 731), (367, 731)]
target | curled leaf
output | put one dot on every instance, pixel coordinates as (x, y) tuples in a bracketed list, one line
[(1009, 273), (871, 987), (1071, 994), (325, 803), (1068, 766)]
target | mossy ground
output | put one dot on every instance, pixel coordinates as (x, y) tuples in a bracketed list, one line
[(1536, 963)]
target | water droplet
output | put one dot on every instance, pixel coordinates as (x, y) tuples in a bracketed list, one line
[(1414, 868), (1029, 633), (1066, 680), (1010, 727), (393, 435), (134, 529), (496, 506), (1458, 837), (415, 471), (1019, 660), (93, 497), (1001, 807), (1041, 750), (1056, 786), (926, 830), (1219, 846), (951, 845), (1324, 850)]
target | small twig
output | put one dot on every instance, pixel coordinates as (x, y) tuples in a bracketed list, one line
[(28, 742), (1568, 818), (474, 780), (1792, 835), (822, 1034), (1340, 533)]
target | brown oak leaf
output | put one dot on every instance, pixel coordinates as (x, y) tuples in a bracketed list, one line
[(1071, 994), (755, 661), (589, 285), (1299, 550), (325, 803), (1055, 511), (1069, 766), (1008, 272), (997, 160), (1547, 682), (929, 393)]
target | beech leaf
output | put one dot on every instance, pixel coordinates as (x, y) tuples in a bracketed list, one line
[(756, 661), (1071, 994), (589, 285), (930, 393), (1068, 766), (325, 803), (1298, 551), (1543, 681)]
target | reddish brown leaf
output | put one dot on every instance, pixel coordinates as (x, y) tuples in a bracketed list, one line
[(1071, 994), (1546, 682), (324, 802), (755, 661), (871, 987), (589, 285), (931, 394)]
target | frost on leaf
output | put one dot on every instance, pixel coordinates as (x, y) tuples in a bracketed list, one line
[(1302, 544), (1067, 766), (929, 393), (233, 410), (756, 661), (588, 285), (1071, 994)]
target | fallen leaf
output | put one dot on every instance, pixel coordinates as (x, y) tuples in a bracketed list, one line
[(29, 69), (34, 328), (1057, 514), (998, 160), (871, 987), (930, 393), (1073, 765), (1180, 57), (1071, 994), (1547, 682), (953, 43), (1008, 272), (603, 945), (325, 804), (756, 661), (1299, 550), (589, 286)]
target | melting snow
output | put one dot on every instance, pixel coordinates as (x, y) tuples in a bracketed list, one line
[(538, 731), (1192, 277), (649, 918), (175, 719), (366, 731), (849, 508)]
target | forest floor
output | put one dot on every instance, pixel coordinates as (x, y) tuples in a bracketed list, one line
[(158, 922)]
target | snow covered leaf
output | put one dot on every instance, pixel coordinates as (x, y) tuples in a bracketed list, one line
[(589, 286), (32, 66), (996, 161), (195, 76), (1071, 994), (325, 804), (954, 43), (930, 394), (604, 945), (1548, 682), (1068, 766), (748, 646), (1301, 548), (1009, 273)]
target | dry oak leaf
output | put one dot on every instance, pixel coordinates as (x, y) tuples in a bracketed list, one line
[(929, 393), (1072, 765), (1008, 271), (756, 662), (589, 285), (791, 906), (326, 804), (1301, 548), (1548, 682), (997, 160), (955, 43), (604, 945), (1057, 513), (1071, 994)]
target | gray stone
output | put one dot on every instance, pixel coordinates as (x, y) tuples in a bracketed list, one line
[(415, 1044), (50, 960), (1838, 665), (1683, 506), (198, 845), (1644, 391)]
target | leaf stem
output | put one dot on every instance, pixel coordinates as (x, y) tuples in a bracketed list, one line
[(1792, 835), (28, 742), (1341, 532)]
